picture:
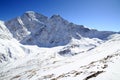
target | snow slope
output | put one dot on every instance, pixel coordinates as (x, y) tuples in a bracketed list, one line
[(101, 62), (10, 48)]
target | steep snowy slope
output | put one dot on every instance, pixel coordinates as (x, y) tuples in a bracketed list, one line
[(10, 49), (36, 29), (46, 64), (4, 32)]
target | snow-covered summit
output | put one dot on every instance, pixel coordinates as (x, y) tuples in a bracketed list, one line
[(34, 16), (31, 12)]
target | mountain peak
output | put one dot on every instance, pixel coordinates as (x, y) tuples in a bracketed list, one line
[(30, 12), (56, 16)]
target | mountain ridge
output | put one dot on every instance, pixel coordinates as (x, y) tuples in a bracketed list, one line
[(34, 25)]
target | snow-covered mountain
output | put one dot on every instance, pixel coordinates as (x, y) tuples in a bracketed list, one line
[(36, 29), (36, 47)]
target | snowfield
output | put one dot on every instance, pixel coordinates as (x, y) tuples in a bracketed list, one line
[(35, 47)]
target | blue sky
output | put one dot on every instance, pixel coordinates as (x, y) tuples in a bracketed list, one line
[(98, 14)]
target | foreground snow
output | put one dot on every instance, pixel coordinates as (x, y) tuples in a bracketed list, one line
[(101, 63)]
